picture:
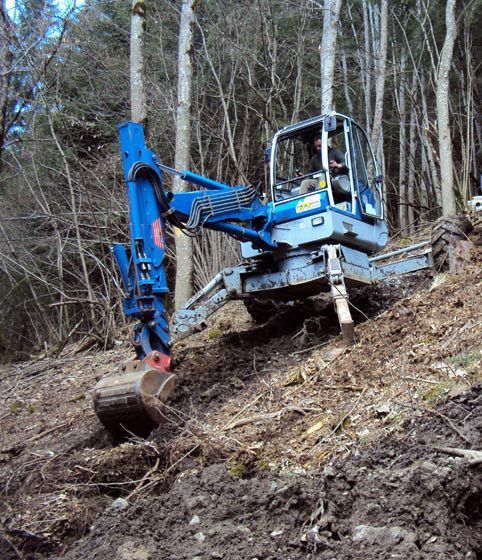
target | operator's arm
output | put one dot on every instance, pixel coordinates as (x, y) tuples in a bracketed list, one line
[(337, 162)]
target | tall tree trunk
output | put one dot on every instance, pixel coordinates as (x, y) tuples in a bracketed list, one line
[(445, 141), (469, 165), (412, 155), (380, 82), (327, 52), (137, 63), (184, 246), (6, 58), (367, 68), (349, 102), (429, 147), (424, 172), (243, 158), (402, 174), (299, 84)]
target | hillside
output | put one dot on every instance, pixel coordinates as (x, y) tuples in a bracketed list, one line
[(281, 443)]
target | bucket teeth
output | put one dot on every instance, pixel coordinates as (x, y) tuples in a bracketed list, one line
[(132, 402)]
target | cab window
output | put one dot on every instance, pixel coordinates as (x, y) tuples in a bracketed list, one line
[(292, 162), (369, 191)]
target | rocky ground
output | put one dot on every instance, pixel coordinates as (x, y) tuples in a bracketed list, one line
[(280, 442)]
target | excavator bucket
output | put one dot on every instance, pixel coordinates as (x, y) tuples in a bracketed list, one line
[(131, 402)]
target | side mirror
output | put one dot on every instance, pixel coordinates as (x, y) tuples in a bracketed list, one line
[(329, 124)]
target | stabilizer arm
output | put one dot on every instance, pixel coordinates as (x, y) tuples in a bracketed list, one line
[(191, 317)]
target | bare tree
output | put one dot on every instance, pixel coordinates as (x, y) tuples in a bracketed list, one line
[(366, 68), (6, 58), (380, 80), (402, 131), (254, 73), (331, 16), (445, 141), (184, 250), (137, 63)]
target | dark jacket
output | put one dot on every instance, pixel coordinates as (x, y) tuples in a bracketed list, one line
[(333, 153)]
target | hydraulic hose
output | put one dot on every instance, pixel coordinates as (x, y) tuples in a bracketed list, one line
[(166, 210)]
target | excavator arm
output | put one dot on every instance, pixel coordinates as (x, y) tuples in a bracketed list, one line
[(233, 210), (131, 400)]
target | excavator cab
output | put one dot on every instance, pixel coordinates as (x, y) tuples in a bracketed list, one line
[(325, 188), (301, 166)]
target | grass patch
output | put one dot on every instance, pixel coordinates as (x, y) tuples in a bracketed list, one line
[(397, 418), (464, 360), (215, 333), (437, 394)]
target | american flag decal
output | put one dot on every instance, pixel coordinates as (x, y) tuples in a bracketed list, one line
[(157, 233)]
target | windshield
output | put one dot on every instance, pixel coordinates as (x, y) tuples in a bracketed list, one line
[(292, 162), (300, 168)]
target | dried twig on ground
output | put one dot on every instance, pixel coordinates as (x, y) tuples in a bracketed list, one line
[(340, 423), (419, 379), (143, 479), (344, 387), (440, 415), (264, 417), (228, 425), (473, 456)]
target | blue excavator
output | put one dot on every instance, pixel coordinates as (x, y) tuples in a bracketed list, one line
[(314, 231)]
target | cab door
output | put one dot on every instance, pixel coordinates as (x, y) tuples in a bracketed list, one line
[(368, 182)]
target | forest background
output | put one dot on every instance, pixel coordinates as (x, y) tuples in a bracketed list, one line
[(64, 88)]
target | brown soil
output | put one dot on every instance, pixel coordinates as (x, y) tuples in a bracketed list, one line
[(280, 443)]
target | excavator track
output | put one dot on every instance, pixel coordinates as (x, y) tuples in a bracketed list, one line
[(131, 403), (449, 242)]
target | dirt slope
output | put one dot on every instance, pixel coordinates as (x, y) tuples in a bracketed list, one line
[(280, 442)]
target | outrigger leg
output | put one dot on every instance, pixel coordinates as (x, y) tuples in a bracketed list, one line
[(340, 296)]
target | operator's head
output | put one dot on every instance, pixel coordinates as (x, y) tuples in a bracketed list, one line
[(317, 143)]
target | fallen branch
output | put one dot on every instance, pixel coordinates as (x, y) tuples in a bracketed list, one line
[(340, 423), (420, 379), (264, 417), (344, 387), (473, 456), (21, 445), (440, 415), (228, 425), (143, 480)]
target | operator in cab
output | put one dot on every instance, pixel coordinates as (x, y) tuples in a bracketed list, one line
[(336, 161)]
